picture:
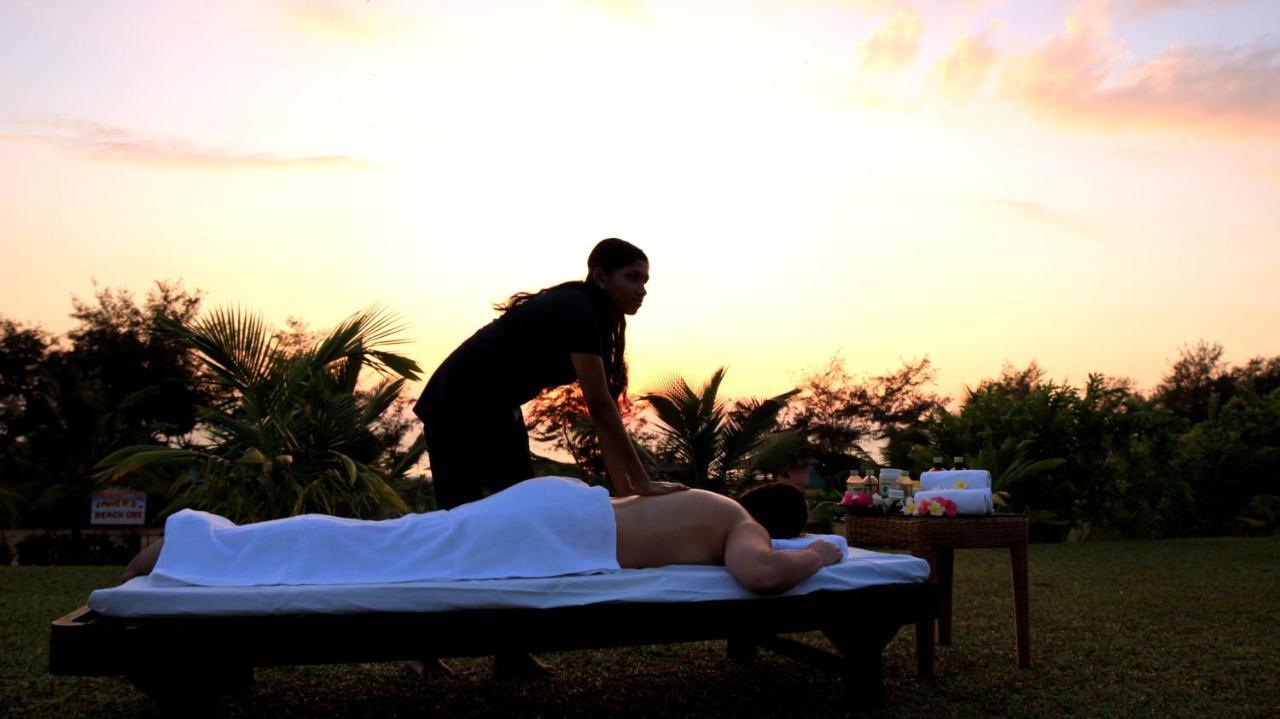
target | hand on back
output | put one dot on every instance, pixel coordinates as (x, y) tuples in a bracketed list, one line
[(654, 488)]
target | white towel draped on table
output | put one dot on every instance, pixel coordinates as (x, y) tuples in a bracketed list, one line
[(543, 527)]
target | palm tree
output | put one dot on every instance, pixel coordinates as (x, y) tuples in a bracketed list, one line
[(713, 447), (297, 435)]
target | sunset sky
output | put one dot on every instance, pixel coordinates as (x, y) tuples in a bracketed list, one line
[(1088, 184)]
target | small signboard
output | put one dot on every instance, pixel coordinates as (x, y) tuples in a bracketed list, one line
[(118, 506)]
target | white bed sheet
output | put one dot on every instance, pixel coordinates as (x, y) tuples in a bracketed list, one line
[(675, 583)]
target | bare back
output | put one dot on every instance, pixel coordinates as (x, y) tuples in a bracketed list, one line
[(690, 527)]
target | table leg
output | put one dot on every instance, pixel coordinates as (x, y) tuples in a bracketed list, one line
[(946, 564), (1021, 604), (931, 557)]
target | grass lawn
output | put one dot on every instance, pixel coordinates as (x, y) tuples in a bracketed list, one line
[(1181, 628)]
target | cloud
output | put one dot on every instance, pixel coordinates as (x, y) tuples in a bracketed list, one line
[(1143, 8), (113, 144), (632, 9), (1072, 80), (1041, 214), (895, 44), (962, 74), (345, 20), (869, 7)]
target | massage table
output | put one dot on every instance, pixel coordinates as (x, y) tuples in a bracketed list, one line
[(187, 647)]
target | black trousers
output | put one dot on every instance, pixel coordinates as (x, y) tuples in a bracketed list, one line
[(474, 451)]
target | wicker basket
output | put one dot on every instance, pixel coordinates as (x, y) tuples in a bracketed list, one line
[(925, 532)]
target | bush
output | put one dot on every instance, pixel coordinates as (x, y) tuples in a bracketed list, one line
[(824, 506), (1260, 517), (96, 548)]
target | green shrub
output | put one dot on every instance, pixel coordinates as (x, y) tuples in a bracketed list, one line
[(95, 548)]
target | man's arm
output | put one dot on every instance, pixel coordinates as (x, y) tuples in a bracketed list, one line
[(144, 562), (620, 458), (750, 558)]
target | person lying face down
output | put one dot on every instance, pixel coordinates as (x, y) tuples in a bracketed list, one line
[(700, 527), (548, 526)]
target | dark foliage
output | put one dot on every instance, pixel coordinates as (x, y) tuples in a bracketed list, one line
[(87, 548)]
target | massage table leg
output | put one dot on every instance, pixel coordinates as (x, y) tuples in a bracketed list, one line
[(742, 648), (190, 687), (862, 647), (924, 649)]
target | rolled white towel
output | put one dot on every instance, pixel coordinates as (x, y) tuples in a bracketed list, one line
[(968, 501), (805, 540), (973, 478)]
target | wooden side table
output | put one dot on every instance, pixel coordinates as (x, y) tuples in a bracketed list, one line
[(936, 539)]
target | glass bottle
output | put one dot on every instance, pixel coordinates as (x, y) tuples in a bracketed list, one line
[(958, 463), (937, 465)]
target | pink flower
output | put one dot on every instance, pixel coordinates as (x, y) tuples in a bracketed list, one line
[(922, 507), (949, 507), (847, 499), (862, 500)]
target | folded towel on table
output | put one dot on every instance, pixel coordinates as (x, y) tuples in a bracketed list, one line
[(543, 527), (973, 479), (805, 540), (968, 501)]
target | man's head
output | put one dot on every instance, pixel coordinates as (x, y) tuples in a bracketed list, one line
[(779, 507)]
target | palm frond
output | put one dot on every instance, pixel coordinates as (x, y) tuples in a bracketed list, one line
[(131, 459), (743, 436), (409, 459), (380, 399), (237, 346)]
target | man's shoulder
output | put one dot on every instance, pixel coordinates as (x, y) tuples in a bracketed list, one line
[(725, 505)]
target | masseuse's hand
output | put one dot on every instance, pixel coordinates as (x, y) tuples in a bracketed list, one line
[(653, 488)]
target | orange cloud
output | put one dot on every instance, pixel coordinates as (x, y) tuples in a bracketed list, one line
[(895, 44), (1143, 8), (1042, 214), (346, 20), (633, 9), (1072, 80), (113, 144), (962, 74)]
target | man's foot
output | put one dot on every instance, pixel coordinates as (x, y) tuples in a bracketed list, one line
[(428, 669), (520, 666)]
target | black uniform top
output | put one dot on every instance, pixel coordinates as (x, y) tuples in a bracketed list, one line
[(518, 355)]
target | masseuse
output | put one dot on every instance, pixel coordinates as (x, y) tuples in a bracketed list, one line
[(575, 331)]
